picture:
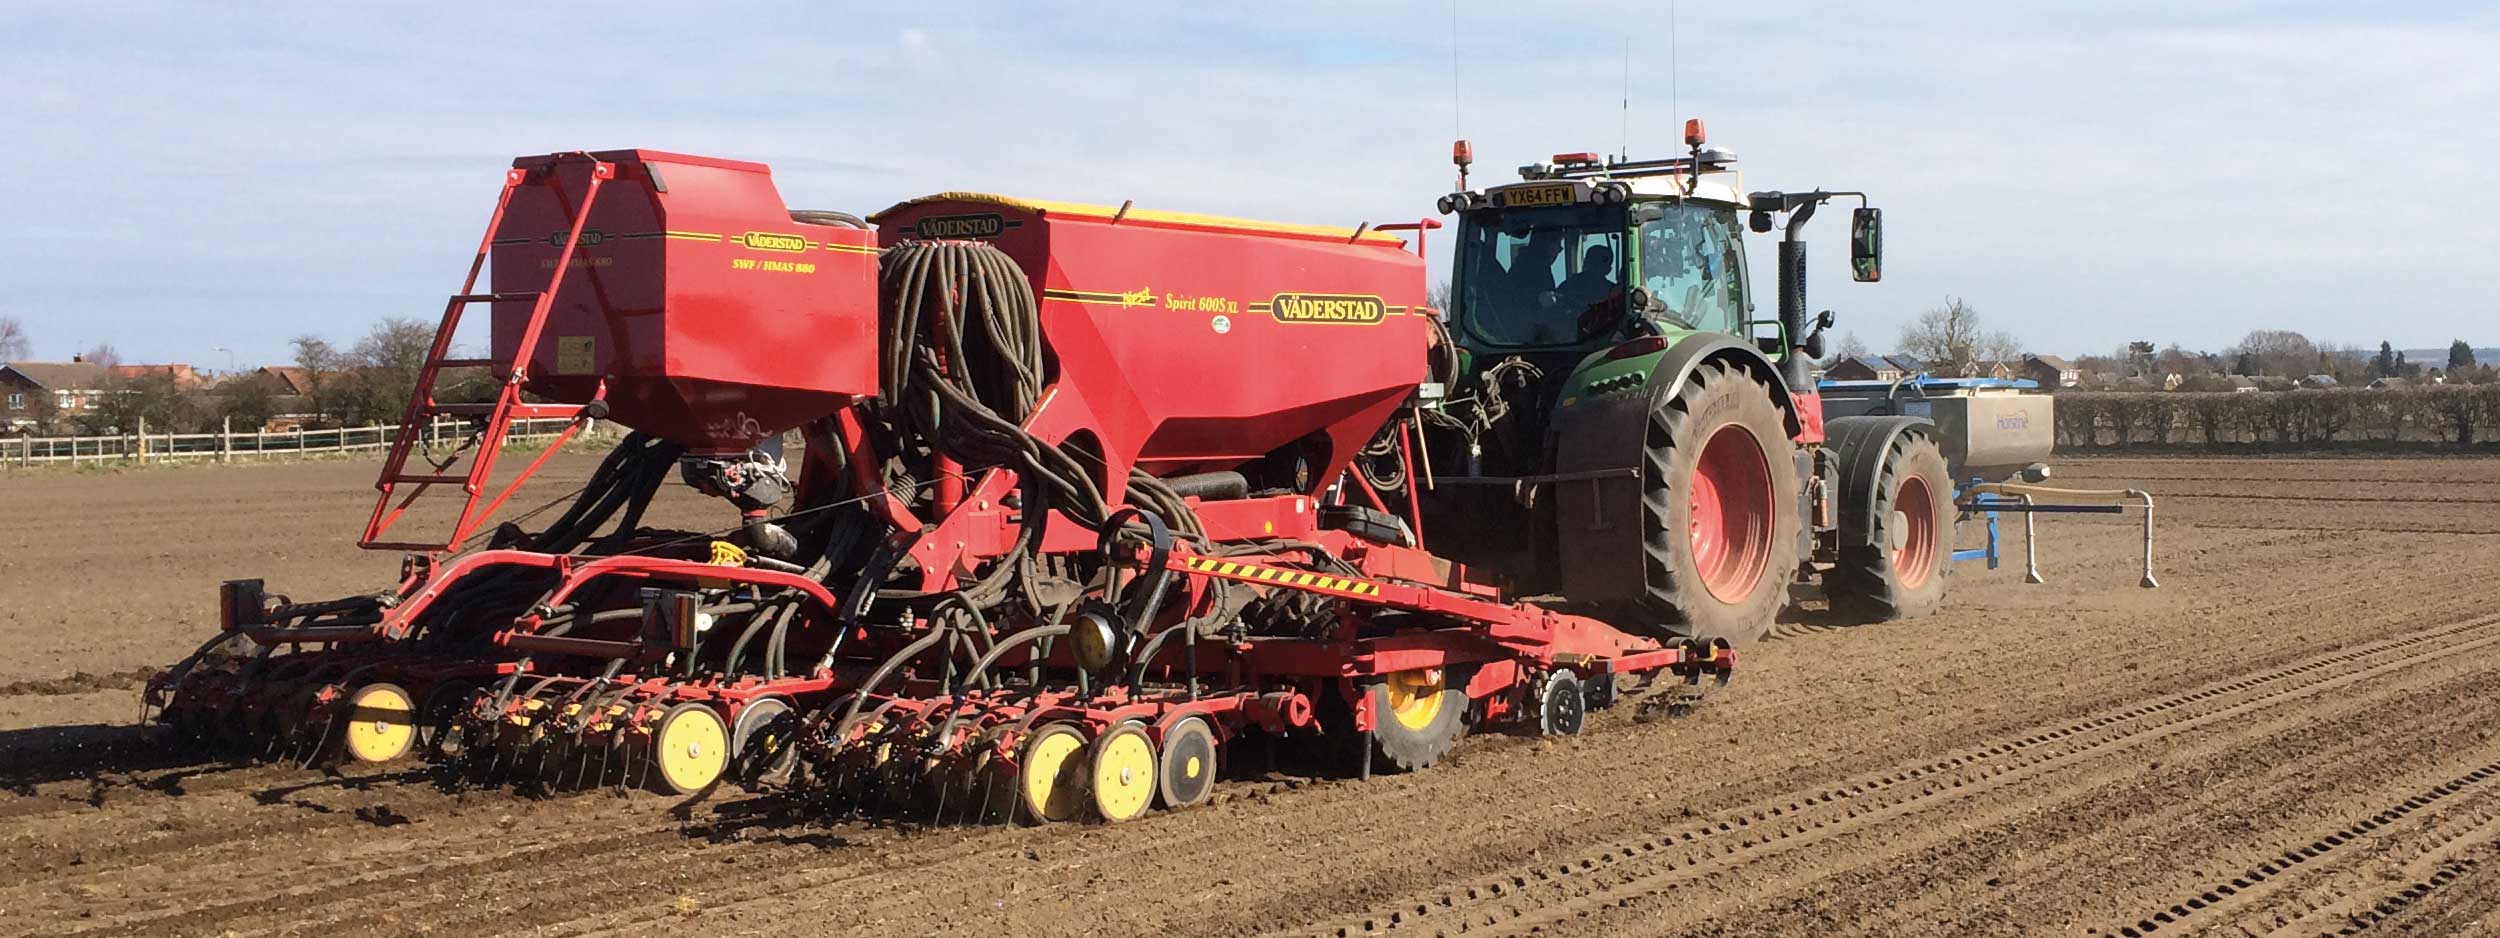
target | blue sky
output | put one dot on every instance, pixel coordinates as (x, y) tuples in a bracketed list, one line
[(186, 176)]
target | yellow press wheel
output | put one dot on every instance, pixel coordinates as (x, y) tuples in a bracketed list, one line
[(381, 723), (1050, 777), (691, 746), (1123, 773)]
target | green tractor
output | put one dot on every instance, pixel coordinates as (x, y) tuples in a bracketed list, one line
[(1617, 425)]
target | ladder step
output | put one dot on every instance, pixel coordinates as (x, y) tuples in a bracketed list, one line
[(431, 479), (530, 296)]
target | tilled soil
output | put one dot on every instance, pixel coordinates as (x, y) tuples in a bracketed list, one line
[(2293, 735)]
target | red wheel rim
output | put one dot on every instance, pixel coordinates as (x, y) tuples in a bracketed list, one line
[(1731, 514), (1914, 511)]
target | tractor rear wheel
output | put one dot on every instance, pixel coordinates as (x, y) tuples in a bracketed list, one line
[(1719, 510), (1901, 574)]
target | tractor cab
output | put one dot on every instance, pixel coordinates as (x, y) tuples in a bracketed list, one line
[(1566, 261)]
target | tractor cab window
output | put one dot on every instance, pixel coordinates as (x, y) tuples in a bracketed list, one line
[(1692, 261), (1529, 277)]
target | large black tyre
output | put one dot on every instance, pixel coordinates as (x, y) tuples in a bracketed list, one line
[(1719, 513), (1901, 575), (1418, 717)]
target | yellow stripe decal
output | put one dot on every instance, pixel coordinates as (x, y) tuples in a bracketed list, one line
[(852, 248), (693, 236), (1277, 575)]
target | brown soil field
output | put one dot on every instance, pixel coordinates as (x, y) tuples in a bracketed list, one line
[(2293, 735)]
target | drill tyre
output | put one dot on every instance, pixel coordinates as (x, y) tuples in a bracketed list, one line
[(1418, 717), (1902, 574), (1719, 512)]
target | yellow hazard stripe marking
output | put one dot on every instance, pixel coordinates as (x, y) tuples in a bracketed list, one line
[(1315, 581)]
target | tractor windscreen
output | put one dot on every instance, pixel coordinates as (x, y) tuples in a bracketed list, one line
[(1526, 276), (1692, 260)]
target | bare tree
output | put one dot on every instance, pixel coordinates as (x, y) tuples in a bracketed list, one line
[(323, 374), (1850, 347), (1952, 342), (14, 343), (102, 354), (387, 360), (2280, 352)]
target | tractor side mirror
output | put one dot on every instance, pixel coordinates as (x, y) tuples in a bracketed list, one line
[(1866, 245)]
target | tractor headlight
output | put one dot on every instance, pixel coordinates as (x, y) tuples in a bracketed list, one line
[(1097, 638)]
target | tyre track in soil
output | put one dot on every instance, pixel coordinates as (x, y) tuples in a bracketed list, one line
[(2040, 858), (2420, 834), (1857, 882), (1550, 890), (907, 885)]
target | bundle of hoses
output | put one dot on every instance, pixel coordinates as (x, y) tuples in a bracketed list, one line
[(963, 365)]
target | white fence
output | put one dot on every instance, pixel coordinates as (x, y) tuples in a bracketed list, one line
[(222, 447)]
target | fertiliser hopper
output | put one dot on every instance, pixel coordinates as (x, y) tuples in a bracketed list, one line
[(1073, 512)]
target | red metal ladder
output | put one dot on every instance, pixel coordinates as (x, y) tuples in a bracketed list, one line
[(507, 406)]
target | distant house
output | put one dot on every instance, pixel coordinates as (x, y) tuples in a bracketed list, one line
[(2381, 384), (2051, 371), (73, 386), (2319, 381), (2242, 384), (184, 377), (1863, 368), (284, 379)]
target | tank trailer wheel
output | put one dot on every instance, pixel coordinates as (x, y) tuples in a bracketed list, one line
[(1902, 574), (691, 746), (1563, 706), (1123, 773), (1050, 778), (381, 723), (1719, 509), (1186, 774), (1417, 718)]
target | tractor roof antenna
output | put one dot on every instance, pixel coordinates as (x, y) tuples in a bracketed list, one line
[(1623, 153), (1457, 127), (1675, 103)]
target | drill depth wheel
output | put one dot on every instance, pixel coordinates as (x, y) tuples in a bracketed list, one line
[(1186, 771), (380, 723), (1562, 707), (1123, 773), (691, 747), (1050, 781)]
